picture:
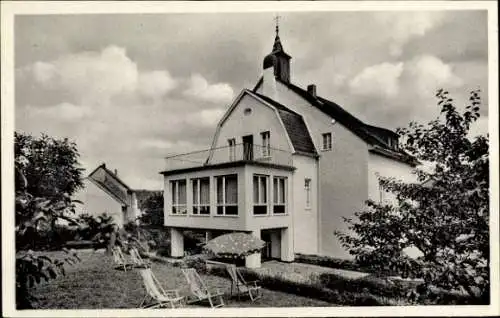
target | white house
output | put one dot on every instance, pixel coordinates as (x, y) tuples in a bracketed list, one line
[(286, 165), (105, 192)]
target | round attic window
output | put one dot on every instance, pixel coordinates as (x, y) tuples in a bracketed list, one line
[(247, 111)]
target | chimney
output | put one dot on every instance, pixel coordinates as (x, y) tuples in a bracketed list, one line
[(311, 89), (116, 172)]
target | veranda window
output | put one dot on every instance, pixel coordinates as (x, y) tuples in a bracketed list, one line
[(227, 194), (178, 193), (279, 195), (201, 195), (260, 194)]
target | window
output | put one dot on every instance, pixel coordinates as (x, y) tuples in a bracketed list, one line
[(260, 194), (307, 187), (381, 194), (392, 143), (178, 191), (327, 141), (279, 195), (227, 194), (232, 149), (201, 195), (266, 143)]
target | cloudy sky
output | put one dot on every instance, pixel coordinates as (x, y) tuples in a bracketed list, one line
[(131, 89)]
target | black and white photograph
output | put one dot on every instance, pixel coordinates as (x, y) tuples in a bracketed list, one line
[(311, 158)]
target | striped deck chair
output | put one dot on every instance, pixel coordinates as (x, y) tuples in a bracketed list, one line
[(240, 286), (199, 289), (154, 291), (137, 260), (120, 259)]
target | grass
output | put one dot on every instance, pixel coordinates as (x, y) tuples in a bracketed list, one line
[(95, 284)]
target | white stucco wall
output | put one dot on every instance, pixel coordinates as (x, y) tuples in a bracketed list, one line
[(305, 219), (386, 167), (96, 201), (342, 173), (262, 118)]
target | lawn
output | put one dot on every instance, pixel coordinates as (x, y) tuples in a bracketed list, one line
[(94, 283)]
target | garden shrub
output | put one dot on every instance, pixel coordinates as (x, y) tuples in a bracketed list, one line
[(50, 239), (371, 284), (197, 262), (312, 289), (149, 238), (193, 242), (331, 262)]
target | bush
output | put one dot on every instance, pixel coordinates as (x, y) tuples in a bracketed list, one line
[(331, 262), (148, 238), (193, 242), (312, 289), (373, 285), (197, 262), (50, 239)]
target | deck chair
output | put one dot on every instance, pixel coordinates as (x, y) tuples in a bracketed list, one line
[(240, 286), (137, 260), (199, 289), (154, 291), (120, 259)]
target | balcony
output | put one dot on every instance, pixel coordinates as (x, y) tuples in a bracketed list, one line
[(244, 152)]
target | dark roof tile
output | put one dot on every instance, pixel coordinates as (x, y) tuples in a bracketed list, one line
[(295, 127), (373, 135)]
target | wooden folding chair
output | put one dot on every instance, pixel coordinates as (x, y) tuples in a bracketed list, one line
[(154, 291), (240, 286), (120, 259), (137, 260), (200, 291)]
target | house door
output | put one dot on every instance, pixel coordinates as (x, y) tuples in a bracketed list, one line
[(248, 147), (266, 251)]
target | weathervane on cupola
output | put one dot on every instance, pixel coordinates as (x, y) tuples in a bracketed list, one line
[(278, 59)]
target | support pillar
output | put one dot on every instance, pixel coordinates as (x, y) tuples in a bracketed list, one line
[(208, 236), (176, 243), (287, 253), (253, 260)]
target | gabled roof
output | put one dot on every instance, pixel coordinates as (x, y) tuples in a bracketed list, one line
[(295, 127), (109, 182), (373, 135)]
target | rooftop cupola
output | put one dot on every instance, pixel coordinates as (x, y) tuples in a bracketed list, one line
[(278, 59)]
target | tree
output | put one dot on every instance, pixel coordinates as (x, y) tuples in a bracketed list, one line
[(445, 216), (153, 210), (46, 168), (47, 174)]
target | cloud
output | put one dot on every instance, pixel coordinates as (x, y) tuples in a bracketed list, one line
[(63, 112), (207, 117), (402, 27), (44, 73), (104, 101), (156, 83), (140, 91), (90, 76), (199, 88), (378, 80), (393, 94), (429, 72)]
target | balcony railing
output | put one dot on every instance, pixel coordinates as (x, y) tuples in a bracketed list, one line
[(238, 152)]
